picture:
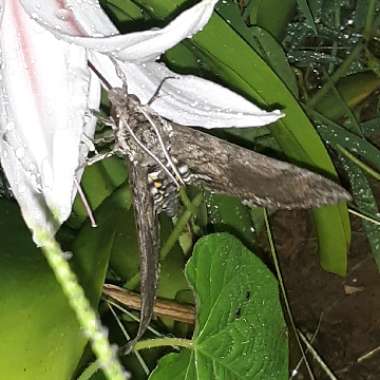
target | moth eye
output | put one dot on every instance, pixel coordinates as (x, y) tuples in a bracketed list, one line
[(157, 184)]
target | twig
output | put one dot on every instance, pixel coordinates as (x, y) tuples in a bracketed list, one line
[(163, 308), (317, 357), (125, 333), (295, 370), (368, 355)]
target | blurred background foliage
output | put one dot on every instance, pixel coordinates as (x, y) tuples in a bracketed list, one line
[(317, 60)]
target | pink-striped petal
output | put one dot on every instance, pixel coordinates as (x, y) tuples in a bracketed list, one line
[(45, 91), (186, 99), (85, 24)]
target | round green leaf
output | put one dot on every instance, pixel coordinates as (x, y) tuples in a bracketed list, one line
[(240, 331)]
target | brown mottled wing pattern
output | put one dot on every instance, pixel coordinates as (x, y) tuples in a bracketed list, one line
[(256, 179), (149, 244)]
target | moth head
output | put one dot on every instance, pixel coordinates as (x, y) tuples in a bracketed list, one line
[(120, 99)]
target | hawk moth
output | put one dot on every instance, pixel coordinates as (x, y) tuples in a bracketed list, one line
[(162, 156)]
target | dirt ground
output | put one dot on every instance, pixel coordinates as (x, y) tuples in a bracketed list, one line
[(347, 310)]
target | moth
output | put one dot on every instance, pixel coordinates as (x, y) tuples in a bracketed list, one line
[(163, 156)]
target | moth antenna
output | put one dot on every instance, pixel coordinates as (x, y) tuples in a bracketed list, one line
[(85, 203), (147, 151), (163, 147), (157, 92), (102, 79)]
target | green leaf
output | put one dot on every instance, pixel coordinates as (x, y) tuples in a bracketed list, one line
[(271, 15), (334, 134), (240, 331), (40, 336), (227, 214), (305, 9), (124, 10), (366, 203), (260, 40), (112, 223), (272, 53), (371, 127), (353, 89)]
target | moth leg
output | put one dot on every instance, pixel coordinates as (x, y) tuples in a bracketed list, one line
[(121, 141), (99, 157), (104, 138), (179, 180), (149, 244), (106, 120)]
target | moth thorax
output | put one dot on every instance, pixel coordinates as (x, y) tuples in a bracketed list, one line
[(163, 190)]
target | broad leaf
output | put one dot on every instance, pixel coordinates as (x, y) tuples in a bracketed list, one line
[(240, 331)]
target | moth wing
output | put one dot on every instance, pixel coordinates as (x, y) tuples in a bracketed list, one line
[(149, 245), (256, 179)]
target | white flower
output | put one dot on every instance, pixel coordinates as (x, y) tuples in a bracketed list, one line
[(46, 89)]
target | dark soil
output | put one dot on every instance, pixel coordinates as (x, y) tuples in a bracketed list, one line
[(343, 313)]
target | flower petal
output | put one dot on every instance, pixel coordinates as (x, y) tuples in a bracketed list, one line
[(45, 90), (186, 99), (87, 19)]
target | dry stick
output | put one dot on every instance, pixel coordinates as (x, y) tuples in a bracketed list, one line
[(163, 308), (295, 371), (316, 356), (283, 291), (363, 216), (132, 316), (126, 335), (368, 355)]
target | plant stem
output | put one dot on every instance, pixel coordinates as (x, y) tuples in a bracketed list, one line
[(339, 73), (364, 217), (86, 316), (373, 173), (161, 342), (369, 19), (180, 225)]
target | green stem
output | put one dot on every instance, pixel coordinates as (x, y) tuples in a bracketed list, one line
[(86, 316), (339, 73), (161, 342), (184, 198), (89, 371), (180, 225), (373, 173), (369, 19)]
